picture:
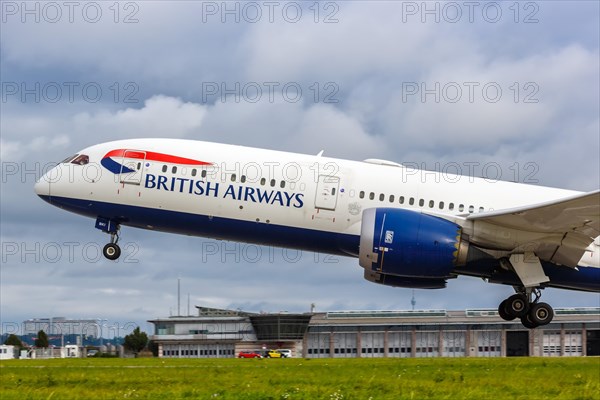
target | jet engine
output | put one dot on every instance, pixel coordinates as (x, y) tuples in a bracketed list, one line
[(400, 281), (410, 244)]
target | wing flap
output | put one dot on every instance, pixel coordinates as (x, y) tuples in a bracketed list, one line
[(575, 220)]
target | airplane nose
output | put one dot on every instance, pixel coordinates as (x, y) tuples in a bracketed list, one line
[(42, 187)]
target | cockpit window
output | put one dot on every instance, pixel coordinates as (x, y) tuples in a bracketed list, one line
[(68, 159), (81, 159)]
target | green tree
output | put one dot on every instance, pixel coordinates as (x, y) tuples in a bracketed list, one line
[(136, 341), (13, 340), (42, 340)]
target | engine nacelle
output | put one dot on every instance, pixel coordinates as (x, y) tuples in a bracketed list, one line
[(400, 281), (410, 244)]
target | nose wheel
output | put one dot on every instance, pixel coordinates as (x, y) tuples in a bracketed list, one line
[(111, 250), (526, 306)]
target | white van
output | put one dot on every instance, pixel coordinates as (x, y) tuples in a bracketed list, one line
[(287, 353)]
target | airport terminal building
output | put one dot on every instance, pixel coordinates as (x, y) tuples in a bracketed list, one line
[(419, 333)]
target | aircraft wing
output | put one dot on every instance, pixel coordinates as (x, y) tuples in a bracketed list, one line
[(576, 219)]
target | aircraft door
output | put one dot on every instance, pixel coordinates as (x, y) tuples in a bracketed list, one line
[(327, 192), (132, 167)]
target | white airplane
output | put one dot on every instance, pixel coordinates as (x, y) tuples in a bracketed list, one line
[(408, 227)]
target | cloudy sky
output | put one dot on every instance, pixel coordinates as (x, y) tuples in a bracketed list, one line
[(516, 84)]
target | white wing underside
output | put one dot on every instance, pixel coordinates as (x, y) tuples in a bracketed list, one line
[(563, 228)]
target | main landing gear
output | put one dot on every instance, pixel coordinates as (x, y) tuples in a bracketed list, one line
[(111, 251), (526, 306)]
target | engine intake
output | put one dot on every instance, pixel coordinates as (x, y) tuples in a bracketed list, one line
[(410, 244)]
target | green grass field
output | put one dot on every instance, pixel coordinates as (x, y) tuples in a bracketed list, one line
[(433, 378)]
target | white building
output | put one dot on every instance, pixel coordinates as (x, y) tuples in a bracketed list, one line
[(7, 352), (421, 333)]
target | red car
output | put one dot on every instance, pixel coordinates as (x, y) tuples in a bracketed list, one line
[(249, 354)]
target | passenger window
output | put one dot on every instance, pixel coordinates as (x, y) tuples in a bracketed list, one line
[(381, 197), (441, 205), (461, 207), (481, 209), (263, 181), (361, 195), (204, 173), (174, 170), (194, 172), (282, 184), (164, 168), (411, 201), (431, 203), (451, 206), (392, 198), (471, 209), (81, 159), (272, 182), (401, 199), (243, 179), (333, 191), (371, 196), (232, 177), (421, 202), (139, 166)]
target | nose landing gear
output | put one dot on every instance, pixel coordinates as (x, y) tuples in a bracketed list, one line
[(111, 251), (528, 309)]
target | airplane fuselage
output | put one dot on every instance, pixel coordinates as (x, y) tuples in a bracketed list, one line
[(306, 202)]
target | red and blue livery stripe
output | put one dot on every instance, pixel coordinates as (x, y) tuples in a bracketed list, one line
[(113, 166)]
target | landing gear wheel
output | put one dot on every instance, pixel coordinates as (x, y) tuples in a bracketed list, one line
[(540, 313), (527, 322), (502, 312), (112, 251), (516, 305)]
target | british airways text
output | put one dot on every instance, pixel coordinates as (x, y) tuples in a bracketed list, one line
[(233, 192)]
